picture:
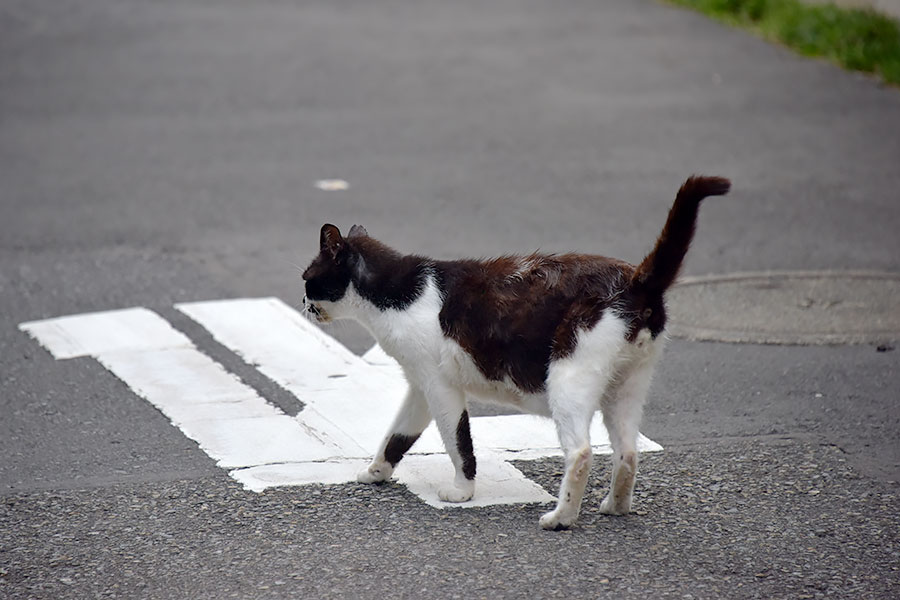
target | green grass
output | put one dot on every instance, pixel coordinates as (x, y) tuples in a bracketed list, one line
[(857, 39)]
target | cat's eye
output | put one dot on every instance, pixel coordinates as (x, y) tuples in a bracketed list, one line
[(645, 314)]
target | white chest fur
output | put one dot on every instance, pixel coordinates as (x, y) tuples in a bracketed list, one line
[(412, 336)]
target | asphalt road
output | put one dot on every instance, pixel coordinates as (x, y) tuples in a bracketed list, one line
[(162, 152)]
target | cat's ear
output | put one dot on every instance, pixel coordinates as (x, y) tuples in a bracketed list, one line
[(330, 240), (357, 231)]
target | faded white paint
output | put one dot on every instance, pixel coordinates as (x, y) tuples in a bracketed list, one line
[(99, 333), (228, 419)]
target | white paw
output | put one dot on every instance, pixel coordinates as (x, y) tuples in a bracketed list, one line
[(557, 519), (375, 473), (609, 506), (456, 494)]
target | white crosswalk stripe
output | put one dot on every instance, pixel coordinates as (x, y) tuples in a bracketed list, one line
[(349, 400)]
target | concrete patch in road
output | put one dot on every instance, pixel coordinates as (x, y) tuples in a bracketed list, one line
[(792, 307)]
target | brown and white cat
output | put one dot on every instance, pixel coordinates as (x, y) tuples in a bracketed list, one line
[(555, 335)]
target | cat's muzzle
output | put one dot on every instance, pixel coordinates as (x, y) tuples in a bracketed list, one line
[(317, 312)]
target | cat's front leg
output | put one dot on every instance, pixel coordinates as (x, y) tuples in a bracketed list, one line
[(411, 420), (448, 405)]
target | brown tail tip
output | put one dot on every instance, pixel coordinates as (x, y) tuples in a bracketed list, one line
[(702, 186)]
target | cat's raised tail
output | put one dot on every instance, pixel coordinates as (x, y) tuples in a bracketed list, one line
[(659, 269)]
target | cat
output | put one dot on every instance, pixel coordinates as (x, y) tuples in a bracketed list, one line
[(560, 336)]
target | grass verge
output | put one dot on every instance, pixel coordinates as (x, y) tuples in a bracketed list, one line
[(858, 39)]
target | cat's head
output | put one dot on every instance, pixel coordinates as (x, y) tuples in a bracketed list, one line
[(329, 275)]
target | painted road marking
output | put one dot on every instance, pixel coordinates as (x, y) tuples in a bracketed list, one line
[(349, 400), (229, 420)]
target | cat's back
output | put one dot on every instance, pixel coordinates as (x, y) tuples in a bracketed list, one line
[(512, 313), (526, 285)]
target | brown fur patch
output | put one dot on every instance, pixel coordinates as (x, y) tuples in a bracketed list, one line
[(513, 315)]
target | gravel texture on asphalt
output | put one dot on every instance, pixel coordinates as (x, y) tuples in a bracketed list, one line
[(787, 519)]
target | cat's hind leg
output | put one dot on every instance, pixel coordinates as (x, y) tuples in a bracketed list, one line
[(622, 416), (575, 385), (573, 428), (411, 420)]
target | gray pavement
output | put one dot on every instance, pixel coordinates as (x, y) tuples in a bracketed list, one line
[(152, 153), (782, 519)]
